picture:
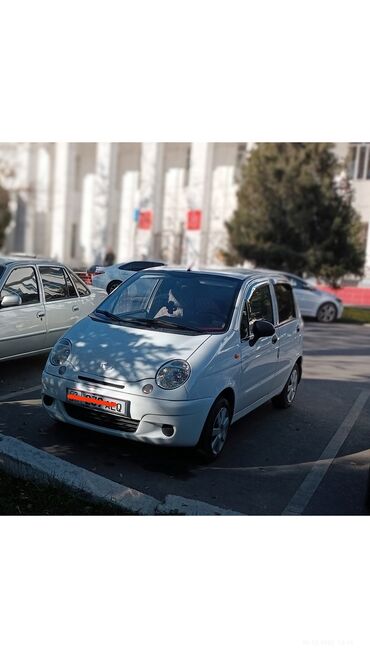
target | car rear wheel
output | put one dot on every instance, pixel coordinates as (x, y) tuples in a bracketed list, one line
[(215, 431), (112, 286), (327, 313), (287, 395)]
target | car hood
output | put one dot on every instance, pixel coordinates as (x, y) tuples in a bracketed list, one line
[(126, 353)]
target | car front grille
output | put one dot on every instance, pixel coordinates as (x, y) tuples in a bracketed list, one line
[(101, 418)]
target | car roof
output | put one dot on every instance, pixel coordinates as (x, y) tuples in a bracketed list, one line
[(266, 271), (20, 259), (231, 273)]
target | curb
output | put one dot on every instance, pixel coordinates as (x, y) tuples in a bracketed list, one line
[(29, 463)]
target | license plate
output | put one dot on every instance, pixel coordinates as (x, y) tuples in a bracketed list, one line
[(95, 401)]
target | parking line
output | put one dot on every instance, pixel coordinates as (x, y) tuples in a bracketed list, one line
[(312, 480), (14, 395)]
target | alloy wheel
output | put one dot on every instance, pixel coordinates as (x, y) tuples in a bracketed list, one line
[(327, 313), (219, 430), (292, 386)]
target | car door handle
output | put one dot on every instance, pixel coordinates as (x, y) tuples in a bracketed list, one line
[(298, 328), (41, 314), (75, 308), (274, 339)]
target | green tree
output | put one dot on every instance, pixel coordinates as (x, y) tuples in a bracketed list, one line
[(5, 214), (293, 215)]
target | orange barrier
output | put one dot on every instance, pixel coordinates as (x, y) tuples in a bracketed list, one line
[(350, 296)]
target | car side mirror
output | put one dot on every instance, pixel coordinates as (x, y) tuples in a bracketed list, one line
[(10, 300), (261, 329)]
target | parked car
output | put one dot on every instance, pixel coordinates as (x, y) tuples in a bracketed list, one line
[(313, 303), (39, 300), (173, 357), (108, 278)]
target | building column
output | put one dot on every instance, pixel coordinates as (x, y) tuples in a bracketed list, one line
[(25, 205), (42, 200), (128, 184), (101, 200), (61, 204), (149, 202), (199, 193)]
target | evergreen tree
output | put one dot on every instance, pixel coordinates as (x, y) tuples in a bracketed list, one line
[(295, 214)]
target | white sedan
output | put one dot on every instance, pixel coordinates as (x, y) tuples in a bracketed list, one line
[(39, 301), (315, 303), (108, 278)]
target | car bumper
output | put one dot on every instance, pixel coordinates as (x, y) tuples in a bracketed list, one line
[(147, 415)]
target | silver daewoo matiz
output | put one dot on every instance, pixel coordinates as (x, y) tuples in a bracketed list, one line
[(174, 357)]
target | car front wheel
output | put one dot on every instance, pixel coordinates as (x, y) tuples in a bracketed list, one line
[(215, 431), (327, 313)]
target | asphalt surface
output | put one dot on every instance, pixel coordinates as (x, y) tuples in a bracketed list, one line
[(319, 448)]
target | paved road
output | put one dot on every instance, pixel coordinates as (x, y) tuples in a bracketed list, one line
[(310, 459)]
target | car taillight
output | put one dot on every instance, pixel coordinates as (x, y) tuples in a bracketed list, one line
[(98, 272)]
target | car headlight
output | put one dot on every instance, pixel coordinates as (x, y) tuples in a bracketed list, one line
[(173, 374), (60, 352)]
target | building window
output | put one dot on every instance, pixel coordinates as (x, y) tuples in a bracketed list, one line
[(359, 161), (241, 153)]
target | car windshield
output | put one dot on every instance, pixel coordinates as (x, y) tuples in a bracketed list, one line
[(187, 302), (2, 268)]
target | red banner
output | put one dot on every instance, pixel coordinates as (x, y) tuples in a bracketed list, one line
[(194, 220), (145, 220)]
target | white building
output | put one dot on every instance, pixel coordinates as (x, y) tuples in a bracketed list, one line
[(74, 201)]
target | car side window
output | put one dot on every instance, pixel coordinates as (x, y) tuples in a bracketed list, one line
[(83, 290), (54, 283), (22, 281), (70, 287), (260, 306), (285, 302)]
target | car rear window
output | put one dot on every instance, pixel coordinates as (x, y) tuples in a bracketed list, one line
[(54, 283), (285, 301)]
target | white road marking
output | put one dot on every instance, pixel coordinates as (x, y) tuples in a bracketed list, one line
[(312, 480), (15, 394)]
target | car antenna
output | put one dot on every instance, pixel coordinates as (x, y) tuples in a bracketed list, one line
[(190, 266)]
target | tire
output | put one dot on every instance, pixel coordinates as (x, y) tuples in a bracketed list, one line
[(112, 286), (211, 446), (287, 396), (327, 313)]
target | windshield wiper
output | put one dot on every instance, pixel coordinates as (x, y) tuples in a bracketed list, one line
[(168, 323), (108, 315), (147, 322)]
